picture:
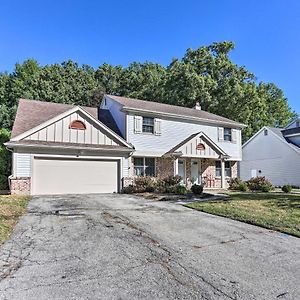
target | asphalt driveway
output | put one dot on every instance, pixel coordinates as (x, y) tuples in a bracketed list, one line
[(125, 247)]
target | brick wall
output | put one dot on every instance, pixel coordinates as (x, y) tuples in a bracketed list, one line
[(20, 186), (164, 167)]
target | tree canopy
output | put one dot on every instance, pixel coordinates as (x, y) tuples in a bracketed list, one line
[(206, 75)]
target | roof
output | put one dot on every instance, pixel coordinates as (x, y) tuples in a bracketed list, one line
[(151, 106), (31, 113), (204, 136)]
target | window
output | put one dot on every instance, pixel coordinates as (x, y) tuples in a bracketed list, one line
[(144, 166), (227, 169), (77, 124), (219, 169), (298, 124), (227, 134), (266, 132), (148, 125)]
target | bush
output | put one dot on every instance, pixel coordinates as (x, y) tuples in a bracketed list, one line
[(5, 159), (234, 183), (243, 187), (172, 180), (144, 184), (259, 183), (180, 189), (287, 188), (128, 189), (197, 189)]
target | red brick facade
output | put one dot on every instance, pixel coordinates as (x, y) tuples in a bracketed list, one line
[(20, 186)]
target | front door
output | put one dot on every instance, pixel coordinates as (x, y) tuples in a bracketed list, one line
[(195, 172), (181, 169)]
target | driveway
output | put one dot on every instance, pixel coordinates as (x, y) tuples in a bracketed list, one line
[(126, 247)]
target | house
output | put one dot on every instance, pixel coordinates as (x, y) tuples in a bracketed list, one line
[(273, 153), (59, 148)]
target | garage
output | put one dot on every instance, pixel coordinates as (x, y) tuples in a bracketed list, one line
[(74, 176)]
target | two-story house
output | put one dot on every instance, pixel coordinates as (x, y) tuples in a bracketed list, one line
[(60, 148), (273, 153)]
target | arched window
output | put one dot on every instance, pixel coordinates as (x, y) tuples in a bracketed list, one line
[(77, 124)]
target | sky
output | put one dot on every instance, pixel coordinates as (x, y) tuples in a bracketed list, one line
[(266, 33)]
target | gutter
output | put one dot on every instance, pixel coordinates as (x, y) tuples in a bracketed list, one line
[(12, 145)]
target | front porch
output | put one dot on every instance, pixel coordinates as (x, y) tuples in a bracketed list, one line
[(211, 173)]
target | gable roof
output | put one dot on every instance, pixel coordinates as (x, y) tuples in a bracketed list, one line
[(204, 137), (278, 133), (162, 108), (31, 113)]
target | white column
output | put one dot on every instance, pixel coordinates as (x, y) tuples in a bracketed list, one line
[(223, 174), (176, 167)]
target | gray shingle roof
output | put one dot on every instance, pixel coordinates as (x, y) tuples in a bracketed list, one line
[(172, 109)]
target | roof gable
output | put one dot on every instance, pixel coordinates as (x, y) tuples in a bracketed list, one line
[(57, 129), (197, 145), (172, 110)]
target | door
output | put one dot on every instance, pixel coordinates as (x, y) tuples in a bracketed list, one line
[(181, 169), (74, 176), (195, 172)]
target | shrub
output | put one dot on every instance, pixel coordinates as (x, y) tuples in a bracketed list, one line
[(144, 184), (259, 183), (5, 159), (180, 189), (197, 189), (172, 180), (128, 189), (243, 187), (234, 183), (287, 188)]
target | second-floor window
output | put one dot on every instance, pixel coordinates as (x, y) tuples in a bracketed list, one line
[(227, 134), (148, 125)]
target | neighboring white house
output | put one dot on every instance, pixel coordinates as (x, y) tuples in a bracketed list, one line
[(60, 148), (273, 153)]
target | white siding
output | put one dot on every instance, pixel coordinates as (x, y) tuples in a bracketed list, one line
[(276, 160), (60, 132), (173, 132), (115, 110), (22, 164), (125, 166)]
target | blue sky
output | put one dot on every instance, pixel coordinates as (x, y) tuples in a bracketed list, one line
[(266, 33)]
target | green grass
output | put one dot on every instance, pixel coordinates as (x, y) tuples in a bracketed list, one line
[(274, 211), (11, 208)]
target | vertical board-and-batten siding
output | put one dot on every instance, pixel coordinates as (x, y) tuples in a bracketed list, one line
[(60, 132), (173, 131), (276, 160), (22, 164)]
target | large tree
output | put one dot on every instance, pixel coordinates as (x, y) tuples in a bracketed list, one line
[(207, 75)]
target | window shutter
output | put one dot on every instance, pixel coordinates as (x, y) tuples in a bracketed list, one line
[(157, 127), (233, 135), (138, 124), (221, 134)]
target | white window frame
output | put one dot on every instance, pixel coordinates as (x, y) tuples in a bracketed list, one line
[(148, 125), (225, 134), (144, 166)]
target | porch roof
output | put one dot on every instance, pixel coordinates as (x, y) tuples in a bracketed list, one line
[(197, 145)]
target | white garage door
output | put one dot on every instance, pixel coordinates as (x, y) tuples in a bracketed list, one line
[(74, 176)]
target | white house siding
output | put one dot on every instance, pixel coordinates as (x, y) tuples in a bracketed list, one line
[(175, 131), (276, 160), (21, 164), (60, 132), (115, 110)]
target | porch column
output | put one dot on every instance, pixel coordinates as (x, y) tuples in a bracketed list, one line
[(175, 166), (223, 174)]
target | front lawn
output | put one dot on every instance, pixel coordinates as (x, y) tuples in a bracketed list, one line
[(279, 212), (11, 208)]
